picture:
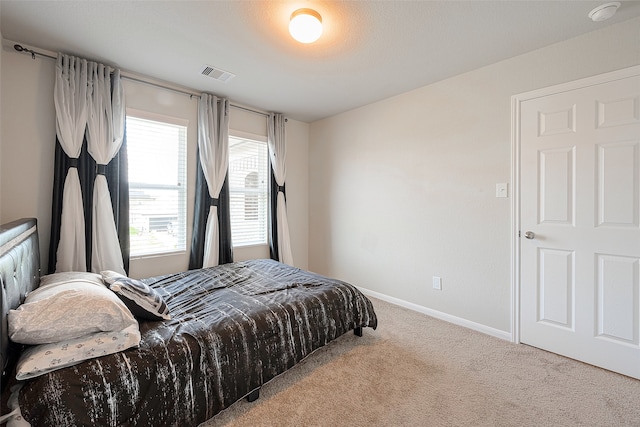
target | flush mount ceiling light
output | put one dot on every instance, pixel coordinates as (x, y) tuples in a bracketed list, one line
[(604, 11), (305, 25)]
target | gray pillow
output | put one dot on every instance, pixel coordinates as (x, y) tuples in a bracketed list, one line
[(70, 276), (143, 301), (67, 310)]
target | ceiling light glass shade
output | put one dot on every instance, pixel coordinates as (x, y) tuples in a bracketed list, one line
[(305, 25), (604, 11)]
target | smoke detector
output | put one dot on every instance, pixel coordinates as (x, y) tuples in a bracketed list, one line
[(604, 12)]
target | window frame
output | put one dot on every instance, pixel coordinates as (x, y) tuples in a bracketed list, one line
[(233, 133), (184, 193)]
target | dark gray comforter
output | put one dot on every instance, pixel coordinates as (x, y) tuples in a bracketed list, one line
[(233, 328)]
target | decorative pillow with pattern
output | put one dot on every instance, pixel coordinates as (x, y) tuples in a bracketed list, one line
[(143, 301), (45, 358)]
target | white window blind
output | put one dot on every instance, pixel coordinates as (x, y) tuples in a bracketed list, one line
[(157, 184), (248, 191)]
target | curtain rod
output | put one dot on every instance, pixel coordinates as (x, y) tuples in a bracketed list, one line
[(33, 53), (128, 76)]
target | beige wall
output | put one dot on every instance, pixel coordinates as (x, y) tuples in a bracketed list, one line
[(28, 137), (404, 189), (27, 154), (1, 221)]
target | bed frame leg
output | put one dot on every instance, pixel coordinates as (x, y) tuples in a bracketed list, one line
[(254, 395), (357, 331)]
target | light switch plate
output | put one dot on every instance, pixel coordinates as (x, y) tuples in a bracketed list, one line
[(502, 189)]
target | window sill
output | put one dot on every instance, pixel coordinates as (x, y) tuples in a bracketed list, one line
[(157, 255), (252, 245)]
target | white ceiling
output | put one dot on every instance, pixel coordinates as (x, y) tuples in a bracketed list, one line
[(369, 50)]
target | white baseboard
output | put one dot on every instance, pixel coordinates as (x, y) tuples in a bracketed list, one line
[(440, 315)]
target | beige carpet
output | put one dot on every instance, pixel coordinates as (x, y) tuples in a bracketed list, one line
[(415, 370)]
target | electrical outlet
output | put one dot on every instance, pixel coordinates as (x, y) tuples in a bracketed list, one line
[(437, 283)]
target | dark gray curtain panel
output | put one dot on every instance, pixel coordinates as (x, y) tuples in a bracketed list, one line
[(273, 214), (201, 214), (117, 176), (279, 225)]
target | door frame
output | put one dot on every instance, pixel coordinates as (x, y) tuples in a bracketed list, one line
[(516, 101)]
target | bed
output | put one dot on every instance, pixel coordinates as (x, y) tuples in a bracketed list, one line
[(232, 328)]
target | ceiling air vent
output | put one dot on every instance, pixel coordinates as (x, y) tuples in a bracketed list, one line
[(216, 73)]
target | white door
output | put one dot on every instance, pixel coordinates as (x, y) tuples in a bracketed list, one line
[(580, 210)]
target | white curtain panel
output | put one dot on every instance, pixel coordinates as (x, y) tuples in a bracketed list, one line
[(105, 131), (278, 154), (213, 143), (70, 99)]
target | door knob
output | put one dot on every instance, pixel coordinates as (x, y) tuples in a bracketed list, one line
[(529, 234)]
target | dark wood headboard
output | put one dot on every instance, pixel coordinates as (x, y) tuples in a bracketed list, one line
[(19, 274)]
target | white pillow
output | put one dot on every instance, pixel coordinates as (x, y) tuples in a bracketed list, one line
[(70, 276), (66, 310), (46, 358)]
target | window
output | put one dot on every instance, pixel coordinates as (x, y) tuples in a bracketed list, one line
[(157, 183), (248, 191), (251, 200)]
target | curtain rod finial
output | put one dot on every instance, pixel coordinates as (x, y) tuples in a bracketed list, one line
[(19, 48)]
